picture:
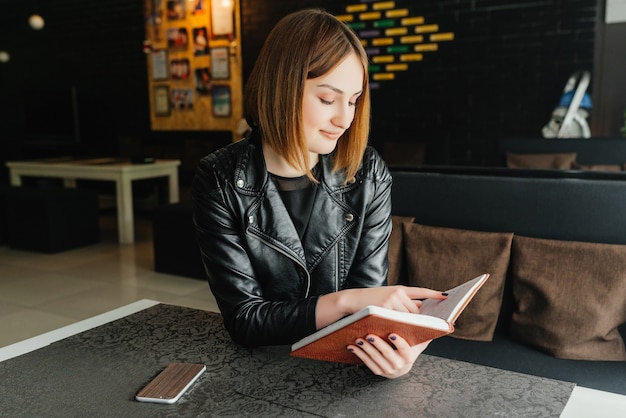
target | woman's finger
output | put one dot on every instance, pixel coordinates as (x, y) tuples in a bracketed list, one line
[(423, 293)]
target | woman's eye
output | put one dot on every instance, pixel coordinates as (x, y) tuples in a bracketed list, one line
[(326, 102), (352, 103)]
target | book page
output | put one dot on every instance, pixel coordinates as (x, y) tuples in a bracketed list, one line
[(386, 315), (458, 297)]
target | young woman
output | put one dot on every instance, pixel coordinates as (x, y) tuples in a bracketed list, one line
[(293, 221)]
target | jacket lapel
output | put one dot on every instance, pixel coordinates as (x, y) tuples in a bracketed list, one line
[(269, 220), (331, 217), (274, 223)]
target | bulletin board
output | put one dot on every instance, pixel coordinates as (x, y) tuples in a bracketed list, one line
[(194, 64)]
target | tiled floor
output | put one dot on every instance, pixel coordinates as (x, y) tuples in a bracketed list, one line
[(42, 292)]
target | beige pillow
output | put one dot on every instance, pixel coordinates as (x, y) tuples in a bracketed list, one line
[(562, 161), (570, 296), (442, 258), (597, 167), (396, 248)]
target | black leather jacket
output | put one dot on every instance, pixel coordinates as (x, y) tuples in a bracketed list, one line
[(266, 281)]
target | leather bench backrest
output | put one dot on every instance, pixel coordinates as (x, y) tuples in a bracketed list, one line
[(554, 208)]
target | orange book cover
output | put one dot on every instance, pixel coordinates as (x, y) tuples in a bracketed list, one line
[(436, 319)]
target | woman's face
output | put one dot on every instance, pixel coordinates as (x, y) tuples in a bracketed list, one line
[(328, 104)]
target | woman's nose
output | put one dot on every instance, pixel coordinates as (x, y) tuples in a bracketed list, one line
[(343, 118)]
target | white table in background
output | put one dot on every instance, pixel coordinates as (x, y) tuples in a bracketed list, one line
[(120, 171)]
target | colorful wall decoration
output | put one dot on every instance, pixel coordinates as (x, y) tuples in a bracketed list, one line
[(393, 38), (194, 64)]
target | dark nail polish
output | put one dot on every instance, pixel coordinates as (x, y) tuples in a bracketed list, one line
[(359, 342), (444, 293), (350, 349), (393, 338), (370, 339)]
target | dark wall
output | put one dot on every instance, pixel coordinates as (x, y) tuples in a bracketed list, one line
[(500, 77), (609, 113), (94, 45)]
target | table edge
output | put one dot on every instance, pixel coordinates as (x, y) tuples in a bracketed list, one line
[(39, 341)]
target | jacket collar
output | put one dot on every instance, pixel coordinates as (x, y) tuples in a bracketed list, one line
[(252, 179), (252, 171)]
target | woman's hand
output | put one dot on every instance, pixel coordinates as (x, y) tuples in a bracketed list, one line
[(383, 359), (392, 358), (398, 298), (334, 306)]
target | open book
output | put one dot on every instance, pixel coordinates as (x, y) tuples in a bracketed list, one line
[(436, 319)]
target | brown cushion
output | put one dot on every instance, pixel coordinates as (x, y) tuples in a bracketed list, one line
[(562, 161), (396, 248), (442, 258), (570, 297), (597, 167)]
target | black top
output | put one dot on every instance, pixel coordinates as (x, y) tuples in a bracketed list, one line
[(298, 194)]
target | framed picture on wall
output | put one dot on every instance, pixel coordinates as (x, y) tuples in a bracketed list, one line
[(179, 69), (153, 19), (176, 9), (161, 101), (198, 7), (159, 65), (200, 41), (203, 81), (222, 19), (221, 101), (182, 99), (177, 38), (220, 68)]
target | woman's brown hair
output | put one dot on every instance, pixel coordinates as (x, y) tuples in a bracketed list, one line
[(304, 45)]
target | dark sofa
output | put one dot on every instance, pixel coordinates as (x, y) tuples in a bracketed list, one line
[(533, 203)]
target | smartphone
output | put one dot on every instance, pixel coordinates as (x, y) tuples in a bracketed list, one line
[(169, 385)]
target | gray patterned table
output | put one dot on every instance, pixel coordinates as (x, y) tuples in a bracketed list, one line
[(97, 373)]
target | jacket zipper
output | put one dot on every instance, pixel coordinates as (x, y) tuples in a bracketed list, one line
[(296, 260), (337, 267)]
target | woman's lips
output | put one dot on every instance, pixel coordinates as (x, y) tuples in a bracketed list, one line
[(332, 135)]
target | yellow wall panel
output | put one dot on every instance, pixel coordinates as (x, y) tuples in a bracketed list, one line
[(409, 21), (346, 18), (445, 36), (199, 115), (411, 57), (382, 58), (426, 28), (370, 16), (397, 13), (412, 39), (383, 76), (397, 67), (394, 41), (384, 5), (426, 47), (382, 41), (396, 31), (353, 8)]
